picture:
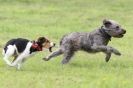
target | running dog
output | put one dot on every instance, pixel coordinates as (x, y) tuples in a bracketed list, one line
[(91, 42), (21, 48)]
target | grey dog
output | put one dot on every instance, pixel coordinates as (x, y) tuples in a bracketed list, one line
[(91, 42)]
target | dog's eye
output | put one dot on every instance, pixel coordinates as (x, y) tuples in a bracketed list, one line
[(47, 41), (117, 27)]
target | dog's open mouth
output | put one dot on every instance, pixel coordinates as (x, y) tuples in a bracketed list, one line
[(50, 49), (121, 35)]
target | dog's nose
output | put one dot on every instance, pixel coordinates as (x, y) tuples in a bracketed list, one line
[(54, 44), (124, 31)]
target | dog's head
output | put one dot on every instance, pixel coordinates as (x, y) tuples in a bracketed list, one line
[(113, 28), (45, 43)]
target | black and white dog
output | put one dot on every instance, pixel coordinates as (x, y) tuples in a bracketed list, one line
[(21, 48)]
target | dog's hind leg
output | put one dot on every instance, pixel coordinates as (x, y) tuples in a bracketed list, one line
[(6, 60), (54, 54), (15, 57), (18, 65), (67, 56), (18, 60), (10, 51)]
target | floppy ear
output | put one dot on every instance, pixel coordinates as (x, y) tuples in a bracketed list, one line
[(41, 39), (106, 23)]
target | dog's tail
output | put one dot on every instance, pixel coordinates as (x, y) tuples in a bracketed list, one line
[(62, 39), (3, 52)]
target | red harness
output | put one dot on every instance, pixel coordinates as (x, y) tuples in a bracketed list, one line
[(36, 46)]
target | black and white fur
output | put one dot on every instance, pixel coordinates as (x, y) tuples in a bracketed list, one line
[(21, 49)]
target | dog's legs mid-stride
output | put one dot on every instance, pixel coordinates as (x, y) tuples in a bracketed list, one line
[(69, 53)]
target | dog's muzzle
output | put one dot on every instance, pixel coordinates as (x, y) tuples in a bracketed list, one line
[(52, 45), (122, 34)]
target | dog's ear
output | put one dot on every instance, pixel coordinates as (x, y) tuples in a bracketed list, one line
[(41, 39), (107, 23)]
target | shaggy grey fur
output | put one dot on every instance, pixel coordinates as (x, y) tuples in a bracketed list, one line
[(91, 42)]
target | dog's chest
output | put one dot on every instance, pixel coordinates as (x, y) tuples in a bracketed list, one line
[(32, 50), (27, 51)]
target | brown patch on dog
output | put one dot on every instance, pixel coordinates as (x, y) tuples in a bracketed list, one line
[(45, 43)]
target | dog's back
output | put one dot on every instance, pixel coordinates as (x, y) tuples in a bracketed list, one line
[(20, 44)]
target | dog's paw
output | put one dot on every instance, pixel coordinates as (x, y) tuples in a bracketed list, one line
[(45, 59), (64, 61), (108, 55), (116, 52), (12, 65), (9, 64)]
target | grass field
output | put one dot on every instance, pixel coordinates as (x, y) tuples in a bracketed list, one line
[(54, 18)]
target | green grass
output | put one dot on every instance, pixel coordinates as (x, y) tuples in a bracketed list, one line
[(54, 18)]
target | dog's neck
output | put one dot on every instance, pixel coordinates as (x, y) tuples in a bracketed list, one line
[(35, 47), (104, 33)]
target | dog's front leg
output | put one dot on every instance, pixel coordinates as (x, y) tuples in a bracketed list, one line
[(115, 51), (106, 49), (54, 54), (107, 58)]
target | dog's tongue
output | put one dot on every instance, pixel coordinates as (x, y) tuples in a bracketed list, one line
[(50, 49)]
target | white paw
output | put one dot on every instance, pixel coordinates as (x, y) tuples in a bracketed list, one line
[(9, 64), (12, 65)]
